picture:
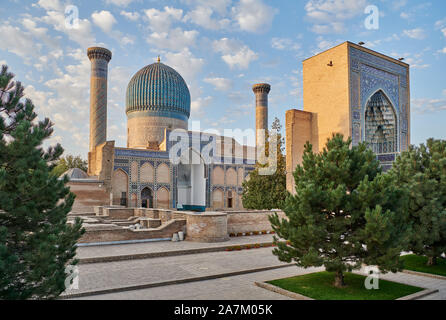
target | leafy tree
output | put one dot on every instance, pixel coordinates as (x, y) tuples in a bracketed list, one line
[(422, 171), (69, 162), (36, 243), (267, 191), (345, 212)]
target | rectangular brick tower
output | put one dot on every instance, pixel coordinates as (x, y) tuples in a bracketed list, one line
[(357, 92)]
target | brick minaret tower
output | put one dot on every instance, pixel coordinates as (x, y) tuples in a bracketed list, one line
[(99, 58), (261, 91)]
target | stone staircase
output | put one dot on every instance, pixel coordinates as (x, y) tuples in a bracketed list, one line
[(114, 223)]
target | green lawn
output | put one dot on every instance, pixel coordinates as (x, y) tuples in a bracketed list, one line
[(418, 263), (319, 286)]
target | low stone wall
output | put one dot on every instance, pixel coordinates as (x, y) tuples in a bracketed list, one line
[(249, 221), (204, 227), (122, 234), (88, 195), (207, 227), (118, 213)]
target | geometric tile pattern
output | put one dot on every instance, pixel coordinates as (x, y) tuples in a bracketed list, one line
[(389, 125)]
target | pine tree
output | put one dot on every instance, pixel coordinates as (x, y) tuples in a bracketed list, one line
[(267, 191), (422, 171), (36, 243), (345, 212)]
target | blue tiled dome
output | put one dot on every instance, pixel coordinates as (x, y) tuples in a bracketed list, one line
[(159, 90)]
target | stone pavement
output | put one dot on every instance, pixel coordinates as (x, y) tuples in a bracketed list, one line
[(100, 276), (163, 246), (420, 281), (121, 274), (230, 288), (242, 287)]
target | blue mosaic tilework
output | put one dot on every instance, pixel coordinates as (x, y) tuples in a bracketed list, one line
[(158, 88), (370, 73)]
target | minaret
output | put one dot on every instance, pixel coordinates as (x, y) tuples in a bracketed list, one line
[(261, 91), (99, 58)]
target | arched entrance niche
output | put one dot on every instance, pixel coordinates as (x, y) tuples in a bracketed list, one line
[(191, 182), (217, 199), (381, 124), (146, 198), (120, 183)]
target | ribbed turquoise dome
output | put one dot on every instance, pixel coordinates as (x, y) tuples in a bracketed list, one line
[(160, 91)]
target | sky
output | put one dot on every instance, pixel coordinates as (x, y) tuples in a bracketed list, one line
[(220, 47)]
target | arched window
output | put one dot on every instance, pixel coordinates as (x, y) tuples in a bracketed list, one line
[(381, 124), (230, 204), (146, 198)]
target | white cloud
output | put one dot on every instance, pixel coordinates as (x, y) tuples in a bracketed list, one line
[(442, 50), (440, 23), (428, 105), (21, 43), (234, 53), (163, 35), (39, 98), (322, 44), (399, 4), (284, 44), (133, 16), (370, 44), (185, 63), (199, 104), (174, 39), (414, 59), (218, 6), (160, 21), (416, 33), (328, 16), (120, 3), (221, 84), (81, 35), (68, 107), (50, 4), (253, 15), (444, 31), (104, 20), (203, 16), (405, 15)]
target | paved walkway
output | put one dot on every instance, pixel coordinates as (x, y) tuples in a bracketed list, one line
[(163, 246), (420, 281), (101, 276), (242, 287), (230, 288), (118, 274)]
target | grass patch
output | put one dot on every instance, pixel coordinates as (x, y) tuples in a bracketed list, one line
[(418, 263), (319, 286)]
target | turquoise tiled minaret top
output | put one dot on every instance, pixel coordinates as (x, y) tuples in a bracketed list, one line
[(160, 91)]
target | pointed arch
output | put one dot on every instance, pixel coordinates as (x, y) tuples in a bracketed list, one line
[(120, 182), (163, 173), (218, 175), (381, 124), (147, 198), (146, 173), (231, 177), (217, 199), (162, 198)]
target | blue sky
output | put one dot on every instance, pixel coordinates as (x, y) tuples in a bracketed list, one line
[(220, 47)]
